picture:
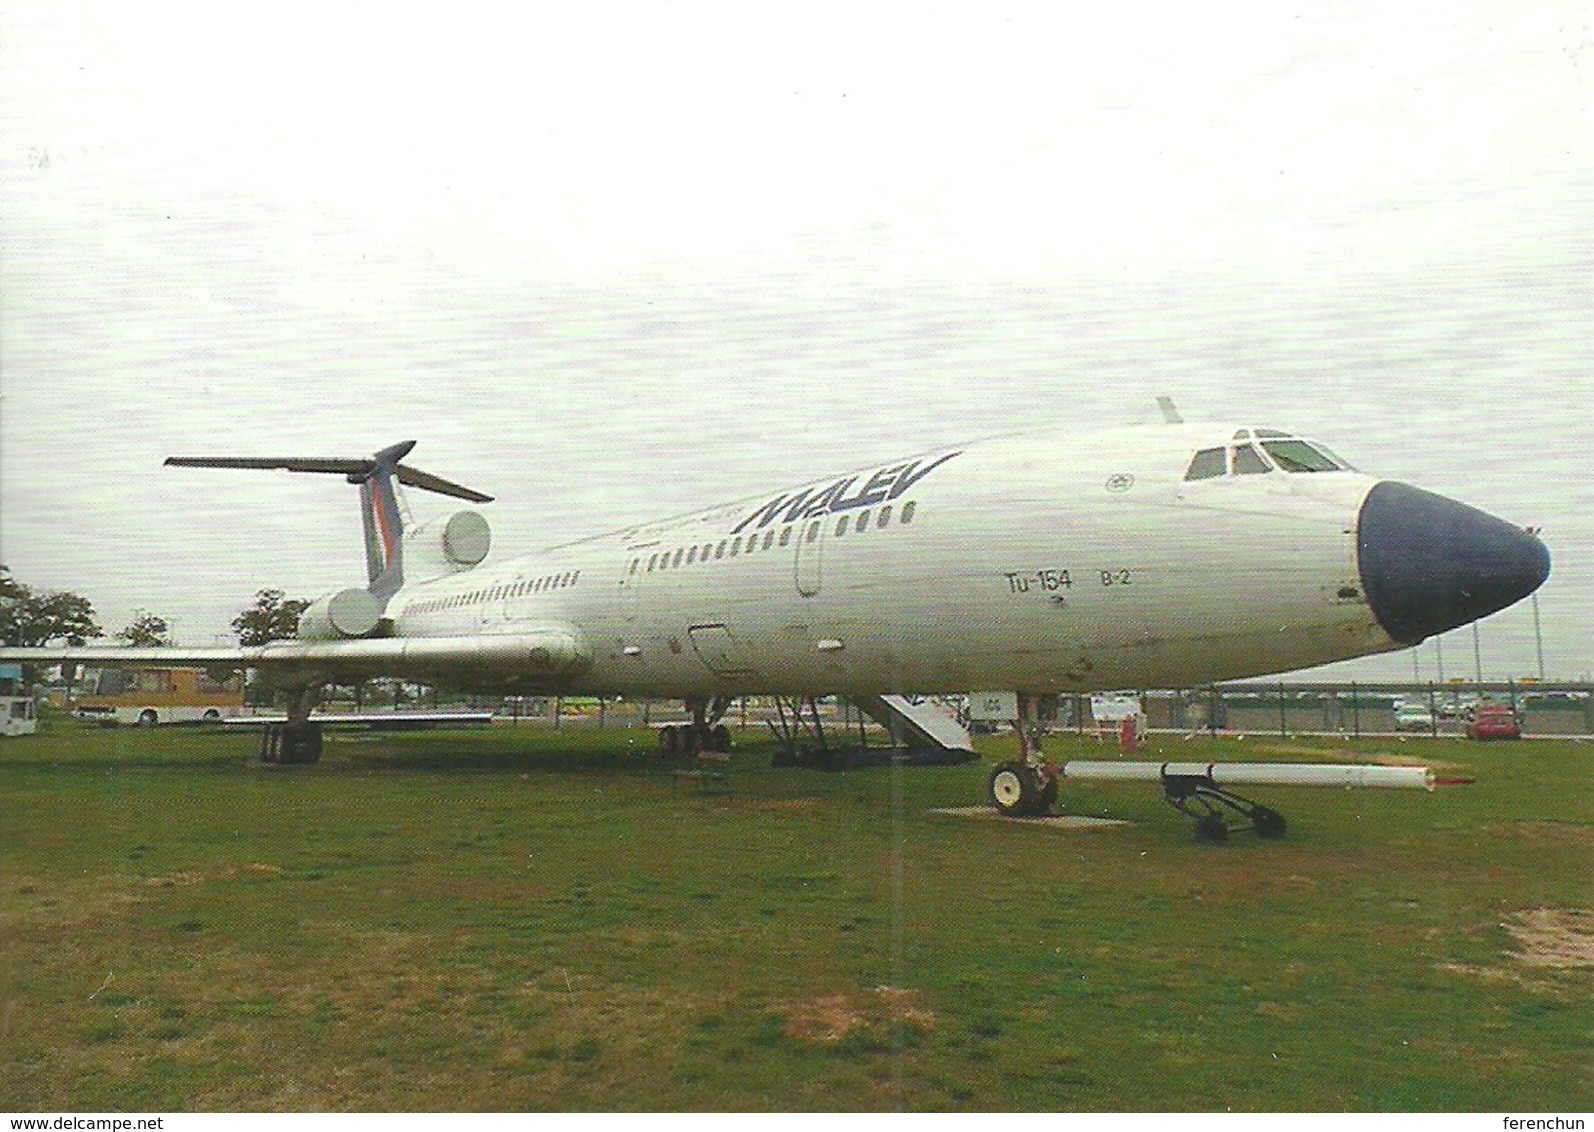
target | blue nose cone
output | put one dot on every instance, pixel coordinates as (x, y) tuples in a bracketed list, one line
[(1429, 564)]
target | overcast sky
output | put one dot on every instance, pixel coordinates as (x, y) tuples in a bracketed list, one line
[(612, 261)]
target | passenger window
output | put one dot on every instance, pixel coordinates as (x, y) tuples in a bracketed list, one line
[(841, 526), (769, 538), (678, 555), (907, 512), (785, 536), (736, 546), (1207, 463), (652, 558), (813, 532), (1247, 462), (719, 551), (885, 518), (863, 522), (691, 555)]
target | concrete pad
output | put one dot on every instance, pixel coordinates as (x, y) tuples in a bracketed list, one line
[(1049, 821)]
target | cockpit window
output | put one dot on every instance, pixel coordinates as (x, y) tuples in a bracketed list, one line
[(1247, 462), (1299, 456), (1208, 462)]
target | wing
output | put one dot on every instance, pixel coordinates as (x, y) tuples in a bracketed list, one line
[(551, 655)]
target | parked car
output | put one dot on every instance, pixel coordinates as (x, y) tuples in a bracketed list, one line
[(1493, 722), (1413, 717)]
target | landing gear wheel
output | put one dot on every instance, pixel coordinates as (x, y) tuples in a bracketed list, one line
[(301, 744), (1269, 823), (146, 718), (669, 741), (721, 739), (1017, 790)]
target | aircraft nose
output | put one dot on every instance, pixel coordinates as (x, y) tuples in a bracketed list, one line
[(1429, 564)]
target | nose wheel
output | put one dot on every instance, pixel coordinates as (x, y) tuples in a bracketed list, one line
[(1026, 787), (1019, 790)]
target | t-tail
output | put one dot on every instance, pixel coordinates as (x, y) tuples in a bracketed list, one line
[(379, 508)]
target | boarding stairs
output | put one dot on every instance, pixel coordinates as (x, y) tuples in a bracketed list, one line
[(920, 724)]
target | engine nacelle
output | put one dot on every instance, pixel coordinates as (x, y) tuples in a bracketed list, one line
[(340, 616), (435, 549)]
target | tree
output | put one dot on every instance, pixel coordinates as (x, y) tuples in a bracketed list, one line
[(30, 618), (146, 631), (271, 618)]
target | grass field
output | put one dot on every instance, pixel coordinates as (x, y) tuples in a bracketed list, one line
[(532, 919)]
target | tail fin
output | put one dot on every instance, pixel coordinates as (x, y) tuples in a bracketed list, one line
[(379, 509)]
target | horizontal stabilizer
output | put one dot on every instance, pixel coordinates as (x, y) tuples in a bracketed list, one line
[(356, 468)]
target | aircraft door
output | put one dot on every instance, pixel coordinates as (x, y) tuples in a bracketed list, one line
[(718, 650), (631, 586), (810, 555)]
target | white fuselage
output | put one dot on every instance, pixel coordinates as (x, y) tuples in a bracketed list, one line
[(1044, 563)]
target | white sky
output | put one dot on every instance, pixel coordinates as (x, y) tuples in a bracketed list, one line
[(611, 261)]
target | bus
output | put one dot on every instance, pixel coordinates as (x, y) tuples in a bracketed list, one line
[(19, 715), (152, 696)]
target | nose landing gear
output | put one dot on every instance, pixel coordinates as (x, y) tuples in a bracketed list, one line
[(1026, 787)]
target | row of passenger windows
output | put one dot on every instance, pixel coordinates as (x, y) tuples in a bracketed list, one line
[(498, 593), (752, 544)]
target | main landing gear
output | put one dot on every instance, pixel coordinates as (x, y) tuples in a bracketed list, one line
[(296, 741), (704, 734), (1027, 787)]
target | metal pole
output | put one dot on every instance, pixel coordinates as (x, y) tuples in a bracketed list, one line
[(1355, 710), (1538, 638), (1283, 734), (1477, 657)]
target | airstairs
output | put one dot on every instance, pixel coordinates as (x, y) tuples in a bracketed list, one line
[(920, 724)]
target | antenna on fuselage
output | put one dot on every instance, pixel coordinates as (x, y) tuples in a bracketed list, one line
[(1170, 414)]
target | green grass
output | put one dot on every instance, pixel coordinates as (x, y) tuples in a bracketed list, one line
[(527, 918)]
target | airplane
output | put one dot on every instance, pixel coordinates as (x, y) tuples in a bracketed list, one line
[(1172, 555)]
